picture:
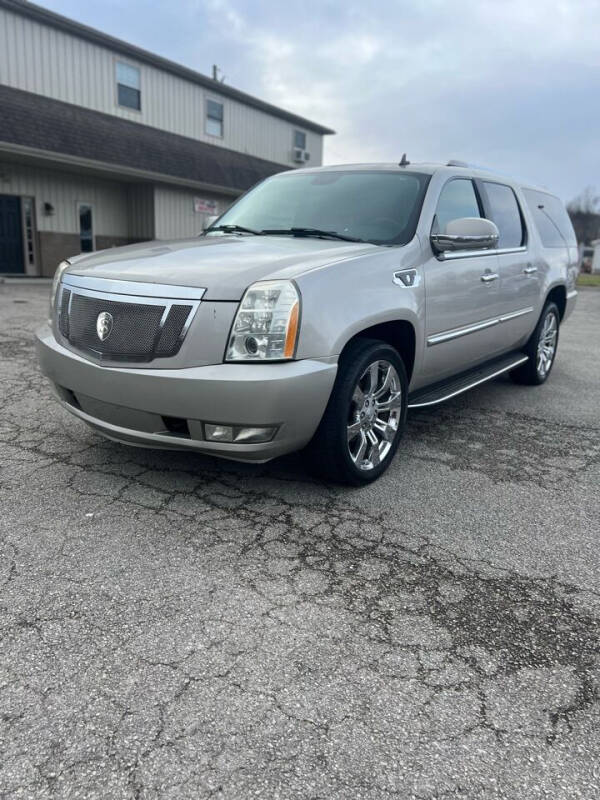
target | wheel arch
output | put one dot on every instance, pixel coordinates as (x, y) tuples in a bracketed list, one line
[(558, 295), (399, 334)]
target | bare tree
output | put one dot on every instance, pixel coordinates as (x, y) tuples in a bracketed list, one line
[(584, 211)]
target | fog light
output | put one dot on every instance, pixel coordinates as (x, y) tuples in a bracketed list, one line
[(218, 433), (238, 434), (247, 435)]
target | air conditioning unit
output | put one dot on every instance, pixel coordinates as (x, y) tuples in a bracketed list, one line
[(300, 156)]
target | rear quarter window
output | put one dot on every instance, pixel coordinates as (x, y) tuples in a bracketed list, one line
[(551, 219)]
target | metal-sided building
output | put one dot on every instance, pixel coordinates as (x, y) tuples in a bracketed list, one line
[(103, 144)]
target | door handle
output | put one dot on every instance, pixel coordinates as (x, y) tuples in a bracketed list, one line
[(489, 276), (529, 269)]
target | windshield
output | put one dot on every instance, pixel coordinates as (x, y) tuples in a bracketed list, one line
[(371, 206)]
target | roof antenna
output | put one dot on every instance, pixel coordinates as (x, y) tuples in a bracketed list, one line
[(404, 162), (215, 74)]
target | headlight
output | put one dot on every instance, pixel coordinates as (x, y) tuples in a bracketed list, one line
[(57, 276), (266, 325)]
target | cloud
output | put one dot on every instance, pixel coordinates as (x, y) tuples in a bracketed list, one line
[(505, 83)]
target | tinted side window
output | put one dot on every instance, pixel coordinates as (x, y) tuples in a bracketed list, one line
[(504, 211), (457, 200), (551, 219)]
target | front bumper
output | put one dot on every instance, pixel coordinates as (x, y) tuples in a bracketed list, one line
[(130, 405)]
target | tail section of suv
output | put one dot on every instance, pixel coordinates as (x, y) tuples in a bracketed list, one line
[(314, 313)]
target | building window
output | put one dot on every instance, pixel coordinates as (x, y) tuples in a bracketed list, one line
[(214, 118), (300, 140), (128, 86), (86, 228)]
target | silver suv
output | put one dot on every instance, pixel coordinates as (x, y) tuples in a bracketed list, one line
[(318, 309)]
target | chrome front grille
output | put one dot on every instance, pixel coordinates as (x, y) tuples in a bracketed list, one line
[(122, 327)]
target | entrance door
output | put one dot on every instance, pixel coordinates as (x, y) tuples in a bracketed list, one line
[(11, 235)]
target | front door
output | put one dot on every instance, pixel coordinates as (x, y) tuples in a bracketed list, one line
[(462, 294), (11, 235)]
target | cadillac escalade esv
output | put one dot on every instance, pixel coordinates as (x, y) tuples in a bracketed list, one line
[(314, 312)]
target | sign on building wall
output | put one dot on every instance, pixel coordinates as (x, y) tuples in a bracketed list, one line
[(204, 206)]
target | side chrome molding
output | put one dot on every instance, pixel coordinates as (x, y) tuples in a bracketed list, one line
[(514, 314), (495, 251), (446, 336), (455, 333)]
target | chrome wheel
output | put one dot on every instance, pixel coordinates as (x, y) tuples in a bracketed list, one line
[(374, 417), (546, 348)]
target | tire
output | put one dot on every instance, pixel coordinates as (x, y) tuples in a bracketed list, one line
[(343, 449), (537, 369)]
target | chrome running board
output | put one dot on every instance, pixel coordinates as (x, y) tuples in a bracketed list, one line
[(444, 390)]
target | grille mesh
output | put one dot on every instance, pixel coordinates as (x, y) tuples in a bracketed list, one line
[(63, 313), (172, 329), (135, 334)]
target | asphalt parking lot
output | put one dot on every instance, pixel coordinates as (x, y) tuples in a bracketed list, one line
[(177, 627)]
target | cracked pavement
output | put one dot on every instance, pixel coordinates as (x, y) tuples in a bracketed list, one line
[(178, 627)]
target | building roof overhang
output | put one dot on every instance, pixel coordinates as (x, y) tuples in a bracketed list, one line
[(34, 127)]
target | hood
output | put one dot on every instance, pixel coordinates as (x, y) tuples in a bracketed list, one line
[(225, 265)]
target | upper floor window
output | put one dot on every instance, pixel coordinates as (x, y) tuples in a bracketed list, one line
[(457, 200), (504, 211), (128, 86), (214, 118), (300, 140)]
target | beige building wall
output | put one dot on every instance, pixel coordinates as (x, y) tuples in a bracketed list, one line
[(175, 215), (57, 195), (41, 59), (122, 212)]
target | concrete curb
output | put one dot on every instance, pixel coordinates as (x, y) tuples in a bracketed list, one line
[(25, 280)]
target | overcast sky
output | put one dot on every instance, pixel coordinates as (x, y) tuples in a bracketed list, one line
[(510, 84)]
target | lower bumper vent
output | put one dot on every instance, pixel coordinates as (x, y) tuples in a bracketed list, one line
[(177, 426)]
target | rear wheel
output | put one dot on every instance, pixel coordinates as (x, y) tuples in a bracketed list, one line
[(541, 349), (364, 419)]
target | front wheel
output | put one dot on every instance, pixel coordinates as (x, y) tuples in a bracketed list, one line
[(364, 419), (541, 349)]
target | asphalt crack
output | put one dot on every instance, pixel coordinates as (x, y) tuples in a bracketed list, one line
[(176, 627)]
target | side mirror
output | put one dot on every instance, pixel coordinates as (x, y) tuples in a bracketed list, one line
[(467, 233)]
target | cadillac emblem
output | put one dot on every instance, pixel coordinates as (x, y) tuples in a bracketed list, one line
[(104, 325)]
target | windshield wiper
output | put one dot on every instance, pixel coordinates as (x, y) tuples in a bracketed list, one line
[(233, 229), (311, 232)]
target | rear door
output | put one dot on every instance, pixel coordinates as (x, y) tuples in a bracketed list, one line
[(520, 272), (462, 293)]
